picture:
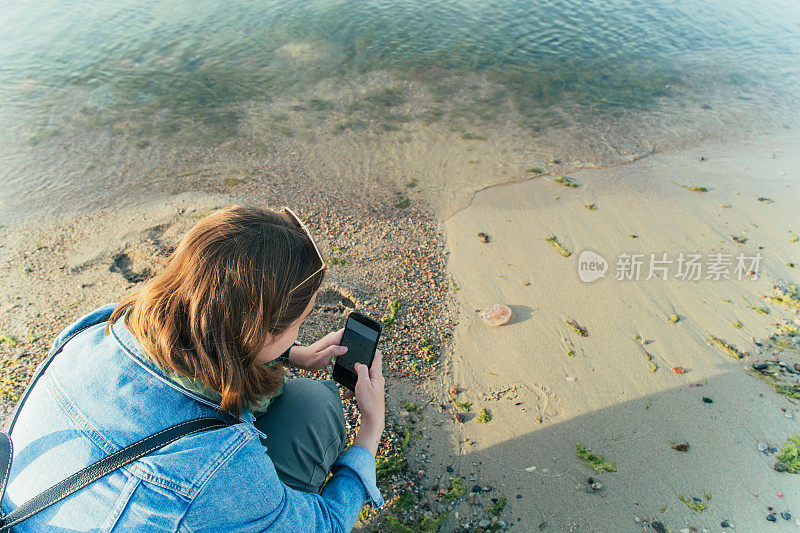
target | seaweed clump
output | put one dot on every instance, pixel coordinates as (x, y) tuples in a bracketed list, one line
[(553, 240), (457, 489), (727, 348), (592, 460), (391, 316), (790, 455)]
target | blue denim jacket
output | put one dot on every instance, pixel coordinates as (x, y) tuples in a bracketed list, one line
[(101, 394)]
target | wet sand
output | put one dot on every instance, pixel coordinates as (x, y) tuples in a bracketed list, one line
[(548, 388)]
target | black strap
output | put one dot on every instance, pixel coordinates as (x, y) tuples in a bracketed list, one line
[(6, 453), (97, 470)]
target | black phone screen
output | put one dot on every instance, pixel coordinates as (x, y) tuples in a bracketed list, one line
[(360, 340)]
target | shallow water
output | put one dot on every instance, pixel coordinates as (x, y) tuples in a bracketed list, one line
[(194, 72)]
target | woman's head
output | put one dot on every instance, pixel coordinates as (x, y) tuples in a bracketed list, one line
[(233, 293)]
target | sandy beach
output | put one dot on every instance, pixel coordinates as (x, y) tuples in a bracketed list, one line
[(614, 390)]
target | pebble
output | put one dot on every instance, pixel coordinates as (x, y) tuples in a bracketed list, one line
[(760, 366), (483, 237), (771, 518), (658, 527), (707, 400), (786, 515), (496, 315), (484, 523), (725, 524), (762, 446), (779, 467)]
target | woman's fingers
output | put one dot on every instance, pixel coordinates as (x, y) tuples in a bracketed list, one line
[(377, 365), (362, 372), (332, 338), (325, 356)]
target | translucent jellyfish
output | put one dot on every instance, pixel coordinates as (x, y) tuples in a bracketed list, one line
[(496, 315)]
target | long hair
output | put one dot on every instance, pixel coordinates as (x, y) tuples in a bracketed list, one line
[(227, 289)]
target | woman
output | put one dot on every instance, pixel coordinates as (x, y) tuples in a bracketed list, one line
[(203, 338)]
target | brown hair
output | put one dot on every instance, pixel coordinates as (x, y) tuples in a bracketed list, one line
[(227, 288)]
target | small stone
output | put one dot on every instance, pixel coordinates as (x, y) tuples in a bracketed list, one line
[(476, 488), (771, 518), (484, 523), (658, 527), (707, 400), (762, 446), (496, 315), (760, 366), (483, 237), (779, 467), (786, 515), (487, 488), (449, 469), (597, 486), (773, 450), (725, 524), (502, 524)]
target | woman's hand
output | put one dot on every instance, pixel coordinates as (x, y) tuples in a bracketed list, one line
[(371, 402), (318, 355)]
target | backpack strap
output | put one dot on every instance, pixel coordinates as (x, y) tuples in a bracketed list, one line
[(96, 470), (6, 453)]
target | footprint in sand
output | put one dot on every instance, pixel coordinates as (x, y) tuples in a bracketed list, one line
[(536, 399)]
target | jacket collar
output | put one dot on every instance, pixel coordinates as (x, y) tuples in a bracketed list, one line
[(186, 386)]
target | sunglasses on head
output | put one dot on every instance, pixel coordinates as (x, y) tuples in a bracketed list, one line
[(302, 226)]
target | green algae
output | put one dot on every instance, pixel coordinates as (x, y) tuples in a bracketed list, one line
[(457, 490), (553, 241), (577, 328), (596, 462), (790, 454), (692, 504), (727, 348), (391, 315)]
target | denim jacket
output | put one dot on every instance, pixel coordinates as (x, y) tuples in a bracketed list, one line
[(100, 394)]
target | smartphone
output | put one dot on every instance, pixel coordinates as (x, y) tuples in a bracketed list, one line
[(361, 338)]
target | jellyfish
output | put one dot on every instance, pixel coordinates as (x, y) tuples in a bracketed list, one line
[(496, 315)]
